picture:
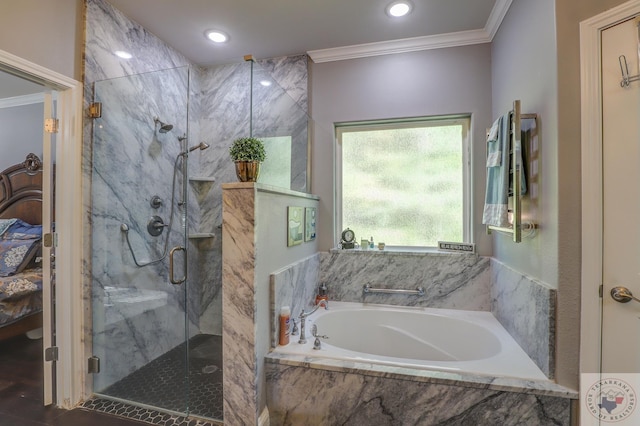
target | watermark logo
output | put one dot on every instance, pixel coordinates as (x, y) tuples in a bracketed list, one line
[(610, 400)]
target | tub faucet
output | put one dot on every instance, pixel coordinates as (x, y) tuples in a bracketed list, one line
[(304, 315)]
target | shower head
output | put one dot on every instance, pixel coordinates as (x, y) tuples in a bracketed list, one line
[(164, 127), (201, 146), (124, 227)]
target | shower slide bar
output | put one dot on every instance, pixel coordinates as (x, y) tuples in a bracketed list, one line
[(368, 289)]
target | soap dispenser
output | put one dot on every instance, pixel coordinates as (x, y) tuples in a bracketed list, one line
[(322, 293)]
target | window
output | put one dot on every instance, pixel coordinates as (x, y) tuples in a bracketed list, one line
[(406, 183)]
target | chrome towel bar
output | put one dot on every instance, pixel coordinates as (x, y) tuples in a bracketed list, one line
[(368, 289)]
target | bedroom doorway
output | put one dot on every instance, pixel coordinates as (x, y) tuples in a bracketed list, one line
[(64, 149), (28, 198)]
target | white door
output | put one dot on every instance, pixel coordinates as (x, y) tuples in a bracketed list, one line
[(48, 278), (613, 398)]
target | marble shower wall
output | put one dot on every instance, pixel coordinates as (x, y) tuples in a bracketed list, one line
[(225, 103), (126, 162), (218, 112)]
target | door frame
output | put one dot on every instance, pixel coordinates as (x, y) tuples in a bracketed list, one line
[(69, 321), (592, 197)]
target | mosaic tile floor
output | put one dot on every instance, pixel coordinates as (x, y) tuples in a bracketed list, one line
[(162, 384)]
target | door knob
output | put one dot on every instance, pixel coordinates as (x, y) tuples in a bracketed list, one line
[(623, 295)]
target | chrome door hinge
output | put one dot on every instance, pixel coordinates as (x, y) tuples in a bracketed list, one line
[(93, 365), (95, 110), (51, 354), (51, 125)]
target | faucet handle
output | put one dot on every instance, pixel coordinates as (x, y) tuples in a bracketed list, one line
[(317, 343), (294, 332)]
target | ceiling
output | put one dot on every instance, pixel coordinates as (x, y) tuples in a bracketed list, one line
[(325, 29), (322, 28)]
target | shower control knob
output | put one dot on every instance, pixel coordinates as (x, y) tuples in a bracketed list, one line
[(155, 201), (155, 226)]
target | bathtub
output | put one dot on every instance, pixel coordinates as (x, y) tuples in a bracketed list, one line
[(447, 340)]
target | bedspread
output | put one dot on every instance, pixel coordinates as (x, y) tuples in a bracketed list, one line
[(20, 295)]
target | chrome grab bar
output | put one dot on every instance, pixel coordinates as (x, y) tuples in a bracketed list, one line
[(171, 254), (368, 289), (623, 295)]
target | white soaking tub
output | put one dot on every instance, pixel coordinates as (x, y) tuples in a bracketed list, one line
[(448, 340)]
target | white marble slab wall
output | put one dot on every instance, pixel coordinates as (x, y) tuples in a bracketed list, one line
[(311, 396), (280, 109), (126, 162), (454, 281), (293, 286), (527, 310)]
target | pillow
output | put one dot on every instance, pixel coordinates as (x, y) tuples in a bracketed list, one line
[(5, 224), (15, 255), (21, 230)]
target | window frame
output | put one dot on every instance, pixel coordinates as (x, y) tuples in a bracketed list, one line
[(388, 124)]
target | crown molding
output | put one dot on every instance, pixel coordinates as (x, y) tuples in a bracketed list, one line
[(438, 41), (499, 11), (16, 101)]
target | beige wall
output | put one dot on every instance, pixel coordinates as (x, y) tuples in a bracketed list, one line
[(48, 33)]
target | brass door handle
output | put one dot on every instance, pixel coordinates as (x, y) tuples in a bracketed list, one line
[(171, 276), (623, 295)]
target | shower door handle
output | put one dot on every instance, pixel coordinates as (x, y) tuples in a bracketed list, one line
[(171, 255)]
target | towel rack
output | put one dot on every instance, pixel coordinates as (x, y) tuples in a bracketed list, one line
[(515, 148)]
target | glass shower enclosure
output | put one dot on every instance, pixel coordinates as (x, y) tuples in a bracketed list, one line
[(156, 209), (148, 343)]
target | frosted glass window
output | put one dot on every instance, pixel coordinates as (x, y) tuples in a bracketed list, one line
[(276, 168), (405, 183)]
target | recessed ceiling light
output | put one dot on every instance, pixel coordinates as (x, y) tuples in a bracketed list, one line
[(122, 54), (265, 83), (217, 36), (399, 8)]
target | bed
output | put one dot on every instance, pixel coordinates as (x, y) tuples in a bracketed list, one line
[(20, 247)]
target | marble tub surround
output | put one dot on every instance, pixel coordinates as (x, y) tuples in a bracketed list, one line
[(357, 394), (293, 286), (454, 281), (527, 310)]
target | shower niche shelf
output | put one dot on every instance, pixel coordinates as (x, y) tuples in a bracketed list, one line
[(201, 179), (201, 235)]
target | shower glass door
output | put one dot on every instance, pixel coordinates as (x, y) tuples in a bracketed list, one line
[(139, 213)]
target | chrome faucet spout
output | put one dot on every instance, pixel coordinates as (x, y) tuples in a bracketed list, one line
[(303, 316)]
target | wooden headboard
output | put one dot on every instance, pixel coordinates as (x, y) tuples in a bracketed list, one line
[(21, 191)]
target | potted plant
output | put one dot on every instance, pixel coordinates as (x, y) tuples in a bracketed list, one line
[(247, 154)]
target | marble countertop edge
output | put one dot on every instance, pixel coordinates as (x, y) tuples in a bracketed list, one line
[(506, 384)]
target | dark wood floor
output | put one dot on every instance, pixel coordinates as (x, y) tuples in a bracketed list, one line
[(21, 392)]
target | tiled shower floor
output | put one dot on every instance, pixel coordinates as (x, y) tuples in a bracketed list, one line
[(161, 383)]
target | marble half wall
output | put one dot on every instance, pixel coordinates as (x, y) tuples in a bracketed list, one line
[(254, 237), (526, 308), (294, 286)]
